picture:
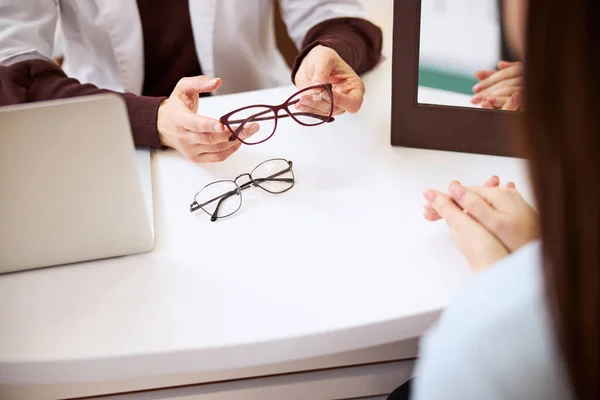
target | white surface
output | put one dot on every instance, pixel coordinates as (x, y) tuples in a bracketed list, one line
[(459, 36), (342, 261), (427, 95)]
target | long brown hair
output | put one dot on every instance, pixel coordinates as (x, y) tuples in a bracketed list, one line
[(562, 135)]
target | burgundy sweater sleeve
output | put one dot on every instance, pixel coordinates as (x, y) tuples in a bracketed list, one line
[(37, 80), (357, 41)]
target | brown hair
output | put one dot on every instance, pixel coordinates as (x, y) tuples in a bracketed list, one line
[(562, 134)]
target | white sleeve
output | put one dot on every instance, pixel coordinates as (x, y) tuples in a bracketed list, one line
[(301, 15), (449, 368), (27, 30)]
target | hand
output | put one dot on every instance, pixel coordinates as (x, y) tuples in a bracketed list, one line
[(476, 243), (431, 215), (200, 139), (501, 211), (502, 89), (324, 65)]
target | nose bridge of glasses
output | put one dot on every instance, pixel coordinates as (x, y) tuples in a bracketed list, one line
[(250, 181)]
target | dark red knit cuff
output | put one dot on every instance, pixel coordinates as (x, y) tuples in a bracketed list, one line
[(357, 41), (143, 117)]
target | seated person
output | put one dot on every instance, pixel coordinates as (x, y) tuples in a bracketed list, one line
[(162, 55), (527, 326), (502, 88)]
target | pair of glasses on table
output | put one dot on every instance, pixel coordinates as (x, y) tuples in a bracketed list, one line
[(267, 116), (223, 198)]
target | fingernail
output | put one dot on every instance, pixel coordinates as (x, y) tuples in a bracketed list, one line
[(477, 87), (516, 99), (429, 196), (476, 99), (218, 128), (254, 128), (325, 96), (456, 190), (213, 81), (306, 101)]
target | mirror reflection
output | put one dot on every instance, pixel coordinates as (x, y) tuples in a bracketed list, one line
[(470, 55)]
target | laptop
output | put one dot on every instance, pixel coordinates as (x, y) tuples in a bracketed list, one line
[(73, 185)]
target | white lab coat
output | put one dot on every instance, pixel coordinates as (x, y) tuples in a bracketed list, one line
[(103, 42)]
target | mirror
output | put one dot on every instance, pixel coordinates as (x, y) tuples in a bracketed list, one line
[(468, 54)]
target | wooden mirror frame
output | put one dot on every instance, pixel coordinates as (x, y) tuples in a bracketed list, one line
[(438, 127)]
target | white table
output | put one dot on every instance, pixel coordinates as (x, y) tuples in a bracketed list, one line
[(341, 270)]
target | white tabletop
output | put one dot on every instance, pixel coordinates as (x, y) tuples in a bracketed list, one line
[(342, 261)]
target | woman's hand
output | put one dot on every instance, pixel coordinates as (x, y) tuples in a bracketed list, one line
[(200, 139), (502, 89), (500, 211), (324, 65), (476, 243)]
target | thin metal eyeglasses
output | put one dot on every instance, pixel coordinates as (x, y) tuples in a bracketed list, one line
[(223, 198), (319, 112)]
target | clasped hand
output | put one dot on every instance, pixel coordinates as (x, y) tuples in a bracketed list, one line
[(487, 222)]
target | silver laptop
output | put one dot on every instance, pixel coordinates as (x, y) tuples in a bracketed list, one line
[(73, 187)]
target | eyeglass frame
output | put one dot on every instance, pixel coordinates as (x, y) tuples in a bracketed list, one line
[(194, 206), (275, 110)]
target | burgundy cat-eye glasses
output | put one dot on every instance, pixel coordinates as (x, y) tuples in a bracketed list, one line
[(319, 112)]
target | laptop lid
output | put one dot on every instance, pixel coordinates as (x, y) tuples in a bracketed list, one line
[(70, 184)]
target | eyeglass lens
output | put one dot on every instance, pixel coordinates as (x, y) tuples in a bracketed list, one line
[(317, 112), (220, 199), (223, 198), (265, 117), (274, 176)]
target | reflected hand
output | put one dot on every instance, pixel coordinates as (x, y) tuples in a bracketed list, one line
[(324, 65), (500, 89), (502, 212), (200, 139)]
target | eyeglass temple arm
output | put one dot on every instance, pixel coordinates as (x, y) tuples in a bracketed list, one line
[(301, 114)]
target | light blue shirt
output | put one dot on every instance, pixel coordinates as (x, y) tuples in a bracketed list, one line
[(495, 341)]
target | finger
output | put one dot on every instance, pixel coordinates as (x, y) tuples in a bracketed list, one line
[(515, 83), (309, 110), (478, 98), (322, 107), (497, 77), (430, 214), (209, 138), (189, 120), (476, 243), (514, 103), (497, 197), (487, 106), (249, 130), (497, 102), (483, 74), (474, 205), (511, 185), (351, 102), (506, 64), (218, 156), (197, 84), (494, 181), (323, 71)]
